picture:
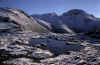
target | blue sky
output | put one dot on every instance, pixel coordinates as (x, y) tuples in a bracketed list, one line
[(58, 6)]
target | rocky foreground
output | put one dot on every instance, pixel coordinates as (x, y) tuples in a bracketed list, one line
[(27, 48)]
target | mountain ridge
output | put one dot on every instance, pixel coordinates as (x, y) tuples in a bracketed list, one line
[(75, 19)]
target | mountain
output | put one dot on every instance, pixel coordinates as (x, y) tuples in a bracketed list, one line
[(12, 19), (29, 48), (75, 20), (80, 21)]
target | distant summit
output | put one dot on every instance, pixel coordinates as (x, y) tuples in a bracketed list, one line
[(74, 12)]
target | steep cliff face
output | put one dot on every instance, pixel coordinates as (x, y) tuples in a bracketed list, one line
[(20, 20), (75, 20)]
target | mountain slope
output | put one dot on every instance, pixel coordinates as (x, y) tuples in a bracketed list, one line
[(55, 24), (19, 18)]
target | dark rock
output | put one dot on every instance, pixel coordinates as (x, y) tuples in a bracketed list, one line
[(91, 59), (67, 52), (76, 57)]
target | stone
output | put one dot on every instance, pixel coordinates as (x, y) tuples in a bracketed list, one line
[(41, 54)]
